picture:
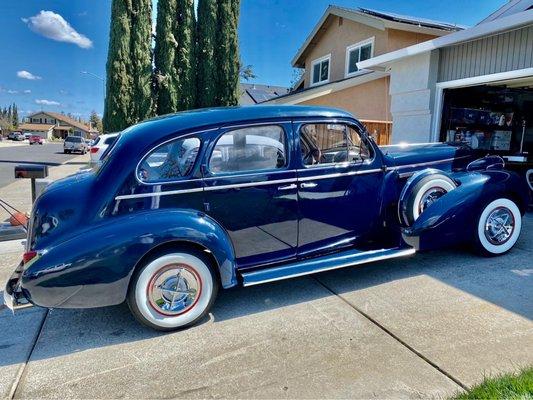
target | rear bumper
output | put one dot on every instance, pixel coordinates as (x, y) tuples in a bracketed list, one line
[(14, 297)]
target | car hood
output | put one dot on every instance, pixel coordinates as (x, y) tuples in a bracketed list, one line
[(400, 155)]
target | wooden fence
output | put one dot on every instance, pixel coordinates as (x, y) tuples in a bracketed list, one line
[(380, 130)]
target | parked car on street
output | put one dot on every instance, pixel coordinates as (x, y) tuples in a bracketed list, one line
[(185, 204), (36, 139), (100, 144), (75, 144), (16, 136)]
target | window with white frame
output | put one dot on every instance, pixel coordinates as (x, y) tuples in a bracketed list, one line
[(358, 52), (320, 70)]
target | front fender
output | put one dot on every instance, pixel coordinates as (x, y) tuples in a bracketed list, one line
[(93, 269), (452, 219)]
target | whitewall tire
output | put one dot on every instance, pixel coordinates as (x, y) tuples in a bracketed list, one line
[(173, 290), (425, 193), (498, 227)]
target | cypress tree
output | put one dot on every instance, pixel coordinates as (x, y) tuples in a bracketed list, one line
[(141, 59), (227, 53), (185, 57), (15, 115), (164, 56), (119, 86), (206, 59)]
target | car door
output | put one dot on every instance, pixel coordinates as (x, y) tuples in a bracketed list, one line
[(250, 189), (339, 184)]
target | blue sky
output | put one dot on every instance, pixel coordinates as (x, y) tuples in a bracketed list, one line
[(271, 31)]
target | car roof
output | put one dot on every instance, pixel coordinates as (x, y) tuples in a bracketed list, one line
[(211, 117)]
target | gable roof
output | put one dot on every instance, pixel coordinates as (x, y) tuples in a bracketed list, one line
[(489, 28), (376, 19), (252, 93), (66, 119), (509, 8)]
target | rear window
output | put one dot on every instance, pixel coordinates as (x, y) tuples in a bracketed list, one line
[(95, 142), (110, 140), (73, 139)]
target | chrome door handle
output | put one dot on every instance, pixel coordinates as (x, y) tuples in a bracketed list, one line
[(308, 185), (287, 187)]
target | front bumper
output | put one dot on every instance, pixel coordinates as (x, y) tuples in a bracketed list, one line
[(14, 297)]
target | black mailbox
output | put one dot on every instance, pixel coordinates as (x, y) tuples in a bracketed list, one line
[(31, 171)]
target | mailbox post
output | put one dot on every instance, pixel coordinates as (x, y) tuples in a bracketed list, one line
[(33, 172)]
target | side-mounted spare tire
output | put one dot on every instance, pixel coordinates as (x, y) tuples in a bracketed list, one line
[(420, 192)]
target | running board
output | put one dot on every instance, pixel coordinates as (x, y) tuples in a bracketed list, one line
[(321, 264)]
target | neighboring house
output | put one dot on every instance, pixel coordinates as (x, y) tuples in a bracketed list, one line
[(251, 93), (474, 86), (50, 124), (342, 38)]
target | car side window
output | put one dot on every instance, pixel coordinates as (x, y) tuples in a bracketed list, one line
[(253, 148), (170, 161), (325, 143)]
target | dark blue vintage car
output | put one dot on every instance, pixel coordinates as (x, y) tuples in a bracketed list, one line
[(184, 204)]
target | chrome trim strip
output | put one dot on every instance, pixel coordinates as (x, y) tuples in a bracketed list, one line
[(337, 174), (157, 194), (400, 253), (259, 173), (249, 184)]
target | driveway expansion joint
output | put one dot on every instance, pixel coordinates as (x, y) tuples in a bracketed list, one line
[(21, 374), (395, 337)]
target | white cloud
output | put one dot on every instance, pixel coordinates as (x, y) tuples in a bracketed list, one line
[(27, 91), (27, 75), (10, 91), (54, 26), (45, 102)]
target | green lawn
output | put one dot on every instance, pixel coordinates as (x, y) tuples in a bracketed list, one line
[(511, 386)]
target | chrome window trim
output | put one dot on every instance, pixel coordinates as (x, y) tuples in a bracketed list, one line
[(198, 132), (251, 171), (261, 172)]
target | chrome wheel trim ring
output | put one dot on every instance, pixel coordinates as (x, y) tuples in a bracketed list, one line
[(430, 196), (499, 226), (174, 290)]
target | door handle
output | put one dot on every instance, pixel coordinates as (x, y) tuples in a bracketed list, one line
[(287, 187), (308, 185)]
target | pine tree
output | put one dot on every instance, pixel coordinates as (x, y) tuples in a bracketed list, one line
[(185, 61), (227, 53), (164, 56), (206, 59), (15, 117), (119, 89), (141, 57), (9, 114)]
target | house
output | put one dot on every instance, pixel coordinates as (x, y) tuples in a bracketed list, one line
[(251, 93), (50, 125), (474, 86), (342, 38)]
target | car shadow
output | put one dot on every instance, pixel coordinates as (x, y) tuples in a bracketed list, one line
[(505, 281)]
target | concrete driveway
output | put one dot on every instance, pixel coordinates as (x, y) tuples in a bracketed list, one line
[(426, 326)]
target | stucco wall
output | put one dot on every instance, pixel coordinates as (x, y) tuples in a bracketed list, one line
[(337, 36), (412, 89), (367, 101)]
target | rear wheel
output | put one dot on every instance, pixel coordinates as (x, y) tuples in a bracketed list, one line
[(425, 193), (173, 290), (498, 227)]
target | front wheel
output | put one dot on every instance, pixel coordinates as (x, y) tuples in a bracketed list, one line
[(173, 290), (498, 227)]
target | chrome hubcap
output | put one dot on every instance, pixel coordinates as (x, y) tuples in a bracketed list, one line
[(499, 226), (429, 197), (174, 289)]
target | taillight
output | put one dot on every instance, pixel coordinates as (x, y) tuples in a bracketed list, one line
[(28, 256), (94, 149)]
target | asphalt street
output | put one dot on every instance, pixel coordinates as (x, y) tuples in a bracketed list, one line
[(50, 154)]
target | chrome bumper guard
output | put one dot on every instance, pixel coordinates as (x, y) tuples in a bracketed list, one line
[(13, 296)]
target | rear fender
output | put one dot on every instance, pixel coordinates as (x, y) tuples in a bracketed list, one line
[(93, 269), (452, 219)]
